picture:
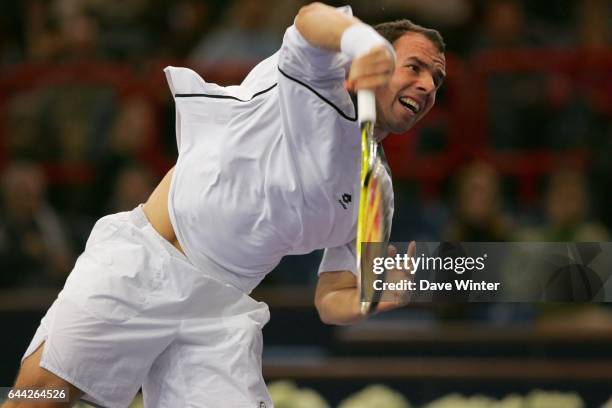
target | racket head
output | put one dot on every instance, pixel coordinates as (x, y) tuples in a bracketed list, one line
[(374, 222)]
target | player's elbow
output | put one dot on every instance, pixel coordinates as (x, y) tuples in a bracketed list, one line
[(324, 312), (337, 298), (332, 311), (305, 14), (328, 317), (308, 9)]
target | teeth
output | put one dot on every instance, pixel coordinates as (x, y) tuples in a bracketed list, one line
[(411, 103)]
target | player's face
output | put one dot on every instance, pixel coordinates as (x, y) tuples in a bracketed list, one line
[(419, 71)]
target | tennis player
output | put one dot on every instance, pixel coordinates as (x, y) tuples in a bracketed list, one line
[(159, 298)]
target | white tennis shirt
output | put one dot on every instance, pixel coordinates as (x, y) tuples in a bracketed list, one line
[(267, 168)]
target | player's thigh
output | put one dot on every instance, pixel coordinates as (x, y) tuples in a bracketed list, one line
[(212, 364), (31, 375)]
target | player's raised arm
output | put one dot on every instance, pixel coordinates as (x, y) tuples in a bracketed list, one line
[(329, 28), (323, 26)]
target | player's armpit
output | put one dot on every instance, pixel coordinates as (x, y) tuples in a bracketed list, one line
[(337, 298)]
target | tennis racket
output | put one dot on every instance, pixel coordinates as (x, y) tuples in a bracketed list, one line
[(373, 223)]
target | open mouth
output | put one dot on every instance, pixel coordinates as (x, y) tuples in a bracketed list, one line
[(410, 104)]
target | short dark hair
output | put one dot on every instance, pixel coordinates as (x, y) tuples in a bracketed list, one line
[(393, 30)]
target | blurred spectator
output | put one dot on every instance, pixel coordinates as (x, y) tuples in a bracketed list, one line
[(128, 139), (105, 28), (24, 124), (63, 122), (34, 250), (132, 128), (244, 35), (12, 33), (186, 22), (593, 28), (503, 25), (515, 99), (478, 215), (544, 110), (81, 36), (506, 25), (133, 186), (42, 39), (566, 118), (57, 32), (567, 211)]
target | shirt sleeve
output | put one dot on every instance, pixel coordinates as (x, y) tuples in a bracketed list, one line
[(299, 59), (341, 258)]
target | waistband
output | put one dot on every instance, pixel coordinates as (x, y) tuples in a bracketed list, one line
[(140, 220)]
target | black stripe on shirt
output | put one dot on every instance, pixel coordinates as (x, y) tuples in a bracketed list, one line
[(200, 95), (344, 115)]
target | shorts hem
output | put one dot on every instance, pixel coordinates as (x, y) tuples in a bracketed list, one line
[(86, 390)]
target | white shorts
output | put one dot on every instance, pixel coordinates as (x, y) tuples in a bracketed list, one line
[(135, 312)]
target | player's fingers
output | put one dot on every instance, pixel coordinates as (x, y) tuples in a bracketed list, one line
[(375, 54), (392, 300), (411, 252), (369, 82), (381, 61), (380, 54), (412, 249), (386, 306), (391, 250), (364, 70), (370, 68), (375, 65)]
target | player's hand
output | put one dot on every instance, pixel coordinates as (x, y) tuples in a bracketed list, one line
[(371, 70), (393, 299)]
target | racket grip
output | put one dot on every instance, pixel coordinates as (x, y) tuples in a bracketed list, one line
[(366, 106)]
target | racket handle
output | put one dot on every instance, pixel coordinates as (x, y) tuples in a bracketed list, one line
[(366, 106)]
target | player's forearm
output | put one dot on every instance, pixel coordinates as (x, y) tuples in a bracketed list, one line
[(340, 307), (322, 25)]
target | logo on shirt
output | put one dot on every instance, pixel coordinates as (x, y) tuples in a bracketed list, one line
[(346, 199)]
